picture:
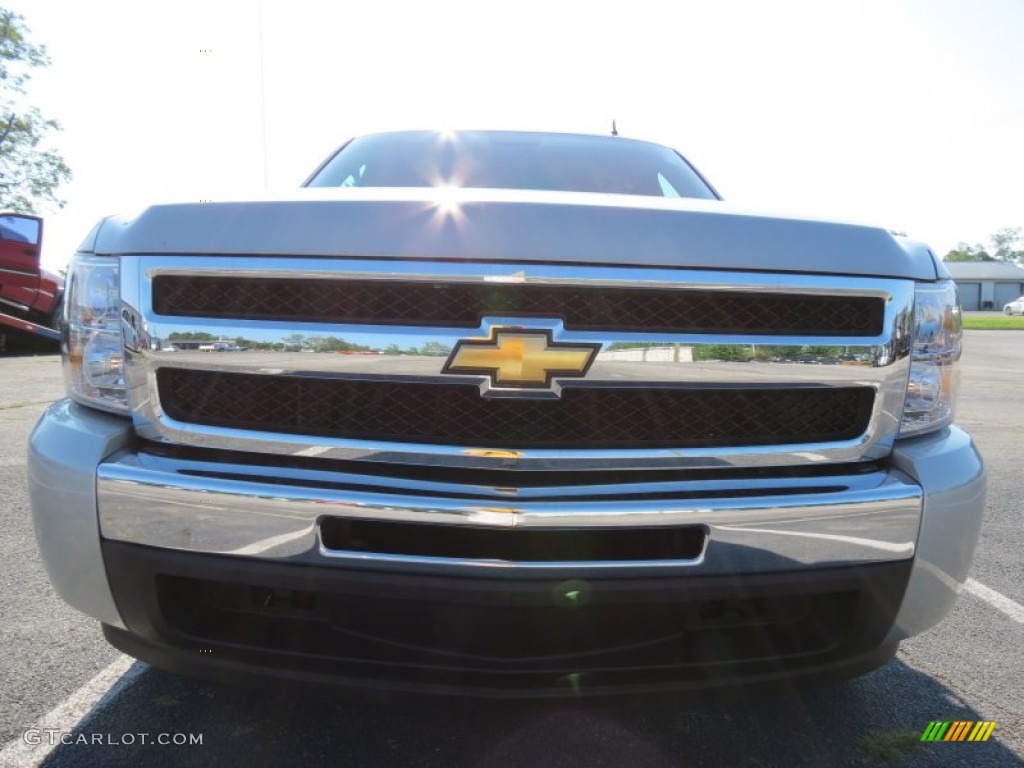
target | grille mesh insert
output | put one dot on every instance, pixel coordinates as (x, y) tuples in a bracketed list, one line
[(455, 305), (456, 414)]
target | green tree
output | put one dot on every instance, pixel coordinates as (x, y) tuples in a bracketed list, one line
[(332, 344), (1007, 244), (29, 173), (725, 352), (294, 342), (432, 349), (965, 252)]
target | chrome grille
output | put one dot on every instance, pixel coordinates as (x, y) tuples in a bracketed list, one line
[(670, 388)]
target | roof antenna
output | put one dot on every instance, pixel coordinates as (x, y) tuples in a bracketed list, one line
[(615, 131)]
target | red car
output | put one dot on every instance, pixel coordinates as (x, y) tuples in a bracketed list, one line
[(27, 292)]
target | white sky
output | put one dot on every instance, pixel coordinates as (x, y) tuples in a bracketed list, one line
[(904, 113)]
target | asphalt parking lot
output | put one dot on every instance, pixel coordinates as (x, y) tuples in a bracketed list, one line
[(968, 668)]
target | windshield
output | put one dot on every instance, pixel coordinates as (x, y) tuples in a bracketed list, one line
[(509, 160)]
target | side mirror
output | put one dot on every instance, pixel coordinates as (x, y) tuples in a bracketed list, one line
[(19, 228)]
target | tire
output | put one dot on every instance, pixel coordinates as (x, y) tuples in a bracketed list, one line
[(55, 320)]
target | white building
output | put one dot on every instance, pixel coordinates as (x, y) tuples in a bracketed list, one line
[(986, 284)]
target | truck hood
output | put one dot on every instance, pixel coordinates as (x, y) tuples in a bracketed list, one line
[(513, 225)]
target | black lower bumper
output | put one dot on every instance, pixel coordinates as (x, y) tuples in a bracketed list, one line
[(230, 617)]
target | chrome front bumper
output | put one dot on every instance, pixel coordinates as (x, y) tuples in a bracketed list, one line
[(274, 513), (89, 481)]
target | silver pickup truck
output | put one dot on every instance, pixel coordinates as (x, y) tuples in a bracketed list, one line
[(511, 414)]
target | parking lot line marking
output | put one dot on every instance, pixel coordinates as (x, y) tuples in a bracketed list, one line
[(997, 600), (93, 696)]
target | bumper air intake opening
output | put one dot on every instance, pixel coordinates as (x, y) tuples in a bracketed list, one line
[(514, 544)]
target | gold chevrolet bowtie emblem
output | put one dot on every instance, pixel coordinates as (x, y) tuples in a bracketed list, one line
[(520, 358)]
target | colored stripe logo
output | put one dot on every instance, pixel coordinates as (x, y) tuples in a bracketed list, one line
[(958, 730)]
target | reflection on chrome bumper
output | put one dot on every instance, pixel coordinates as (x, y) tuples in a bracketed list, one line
[(773, 524)]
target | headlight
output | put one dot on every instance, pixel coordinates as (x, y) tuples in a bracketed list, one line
[(934, 375), (93, 356)]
